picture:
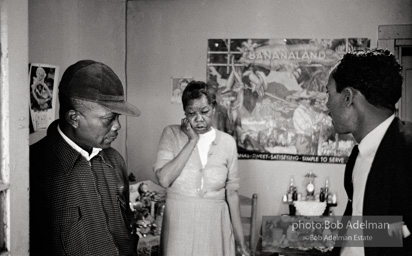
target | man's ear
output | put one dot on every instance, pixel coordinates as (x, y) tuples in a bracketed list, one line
[(349, 95), (72, 117)]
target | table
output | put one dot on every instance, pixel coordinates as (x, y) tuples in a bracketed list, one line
[(281, 235), (148, 246), (294, 252), (292, 208)]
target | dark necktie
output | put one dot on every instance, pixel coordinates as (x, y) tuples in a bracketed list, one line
[(349, 191), (348, 178)]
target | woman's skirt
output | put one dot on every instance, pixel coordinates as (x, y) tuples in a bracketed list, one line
[(196, 227)]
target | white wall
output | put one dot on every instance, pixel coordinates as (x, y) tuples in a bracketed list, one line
[(169, 39), (15, 125), (63, 32)]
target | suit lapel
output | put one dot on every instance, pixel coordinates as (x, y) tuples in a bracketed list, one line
[(377, 196)]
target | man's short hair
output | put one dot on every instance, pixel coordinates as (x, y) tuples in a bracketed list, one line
[(70, 103), (374, 72)]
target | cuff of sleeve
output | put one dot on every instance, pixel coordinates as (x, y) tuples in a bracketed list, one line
[(159, 165), (232, 185), (405, 231)]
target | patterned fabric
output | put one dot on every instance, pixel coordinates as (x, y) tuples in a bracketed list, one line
[(197, 220), (77, 207)]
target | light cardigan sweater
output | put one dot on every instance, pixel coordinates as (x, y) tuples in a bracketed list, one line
[(220, 172)]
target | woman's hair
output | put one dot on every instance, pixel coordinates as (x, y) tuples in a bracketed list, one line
[(195, 90), (375, 73)]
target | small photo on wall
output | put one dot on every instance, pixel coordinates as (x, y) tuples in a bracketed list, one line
[(43, 92), (178, 86)]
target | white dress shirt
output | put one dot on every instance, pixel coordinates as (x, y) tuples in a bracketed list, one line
[(76, 147)]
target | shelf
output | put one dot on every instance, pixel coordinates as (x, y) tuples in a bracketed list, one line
[(292, 208)]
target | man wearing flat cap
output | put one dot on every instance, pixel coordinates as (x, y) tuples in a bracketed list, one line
[(79, 191)]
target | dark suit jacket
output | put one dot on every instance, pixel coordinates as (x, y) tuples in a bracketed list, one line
[(388, 188)]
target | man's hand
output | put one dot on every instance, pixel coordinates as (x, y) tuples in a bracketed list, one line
[(395, 229)]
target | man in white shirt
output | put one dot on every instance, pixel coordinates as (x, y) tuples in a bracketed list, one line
[(363, 90)]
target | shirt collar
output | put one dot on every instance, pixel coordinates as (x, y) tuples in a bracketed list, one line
[(370, 143), (84, 153), (208, 136)]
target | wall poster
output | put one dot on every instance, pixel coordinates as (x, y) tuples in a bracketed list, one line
[(272, 96), (178, 85), (43, 93)]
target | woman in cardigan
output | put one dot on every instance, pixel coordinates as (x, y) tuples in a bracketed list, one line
[(198, 166)]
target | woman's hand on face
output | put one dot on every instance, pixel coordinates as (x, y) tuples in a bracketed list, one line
[(188, 130)]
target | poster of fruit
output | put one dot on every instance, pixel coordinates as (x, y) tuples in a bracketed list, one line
[(271, 96)]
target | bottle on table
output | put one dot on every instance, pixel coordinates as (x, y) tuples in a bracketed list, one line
[(294, 195), (322, 195)]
